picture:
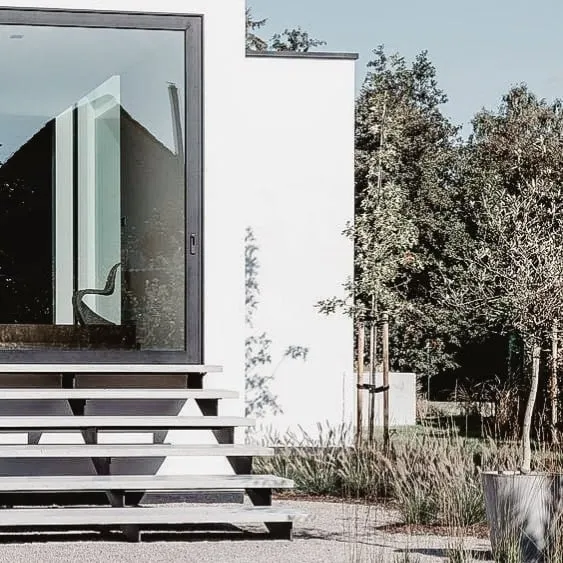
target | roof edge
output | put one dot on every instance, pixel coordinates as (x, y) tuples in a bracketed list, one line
[(299, 55)]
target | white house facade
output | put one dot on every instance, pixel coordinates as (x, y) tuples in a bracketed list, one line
[(139, 143)]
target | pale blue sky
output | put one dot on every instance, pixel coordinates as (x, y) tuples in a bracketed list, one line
[(479, 47)]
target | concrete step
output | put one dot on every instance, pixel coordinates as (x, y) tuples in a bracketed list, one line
[(104, 369), (107, 394), (12, 517), (156, 483), (119, 423), (131, 450)]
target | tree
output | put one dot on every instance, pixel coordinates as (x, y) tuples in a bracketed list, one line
[(514, 279), (253, 41), (295, 40), (407, 226)]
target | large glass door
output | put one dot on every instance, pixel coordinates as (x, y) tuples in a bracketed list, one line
[(94, 148)]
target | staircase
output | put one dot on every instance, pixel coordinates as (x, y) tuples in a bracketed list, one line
[(107, 500)]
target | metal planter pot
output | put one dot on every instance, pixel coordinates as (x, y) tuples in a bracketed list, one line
[(525, 515)]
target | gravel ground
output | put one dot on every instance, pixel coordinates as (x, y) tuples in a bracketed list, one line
[(333, 533)]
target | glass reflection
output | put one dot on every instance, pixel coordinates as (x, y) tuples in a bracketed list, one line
[(92, 188)]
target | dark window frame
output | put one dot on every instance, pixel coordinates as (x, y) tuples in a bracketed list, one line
[(192, 26)]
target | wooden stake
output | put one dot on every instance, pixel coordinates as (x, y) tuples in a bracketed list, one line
[(553, 383), (385, 359), (372, 377), (360, 381)]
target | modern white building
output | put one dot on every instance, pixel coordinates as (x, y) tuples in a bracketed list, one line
[(89, 116), (139, 143)]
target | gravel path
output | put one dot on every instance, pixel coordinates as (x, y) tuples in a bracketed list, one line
[(334, 533)]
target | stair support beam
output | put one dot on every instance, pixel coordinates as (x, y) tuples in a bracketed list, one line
[(242, 465), (277, 530)]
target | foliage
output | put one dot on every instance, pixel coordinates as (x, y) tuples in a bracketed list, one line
[(296, 40), (406, 557), (514, 271), (431, 475), (501, 396), (458, 240), (435, 481), (515, 171), (253, 41), (458, 554), (408, 227)]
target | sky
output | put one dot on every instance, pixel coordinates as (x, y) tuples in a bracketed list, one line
[(480, 48)]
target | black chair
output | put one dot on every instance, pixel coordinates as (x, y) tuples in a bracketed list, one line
[(83, 315)]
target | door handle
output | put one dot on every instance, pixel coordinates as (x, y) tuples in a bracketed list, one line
[(193, 244)]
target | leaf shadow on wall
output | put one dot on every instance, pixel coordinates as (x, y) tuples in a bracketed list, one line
[(260, 369)]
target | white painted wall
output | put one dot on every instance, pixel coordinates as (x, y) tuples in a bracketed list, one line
[(299, 137), (402, 400)]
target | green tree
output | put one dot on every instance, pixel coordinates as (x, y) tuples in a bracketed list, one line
[(407, 226), (253, 41), (514, 271), (296, 40)]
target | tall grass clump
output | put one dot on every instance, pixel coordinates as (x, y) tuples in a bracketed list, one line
[(406, 557), (325, 464), (430, 474), (434, 480)]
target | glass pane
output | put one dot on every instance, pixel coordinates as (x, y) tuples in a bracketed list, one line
[(92, 188)]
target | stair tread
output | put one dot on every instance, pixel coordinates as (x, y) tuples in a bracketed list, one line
[(39, 483), (104, 394), (59, 423), (12, 517), (131, 450), (121, 369)]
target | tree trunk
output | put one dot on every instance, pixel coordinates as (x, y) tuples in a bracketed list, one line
[(553, 383), (527, 425)]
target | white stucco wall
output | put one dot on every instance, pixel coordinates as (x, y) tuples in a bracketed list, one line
[(402, 400), (299, 136)]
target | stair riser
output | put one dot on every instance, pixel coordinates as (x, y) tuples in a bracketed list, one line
[(71, 499), (221, 531), (116, 451), (113, 394), (92, 368), (162, 515), (121, 423), (148, 429)]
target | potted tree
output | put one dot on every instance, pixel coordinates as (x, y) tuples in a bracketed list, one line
[(514, 281)]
